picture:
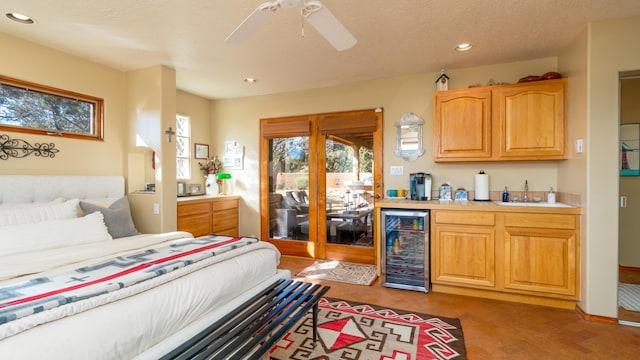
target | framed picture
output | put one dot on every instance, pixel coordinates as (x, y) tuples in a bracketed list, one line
[(201, 151), (237, 162)]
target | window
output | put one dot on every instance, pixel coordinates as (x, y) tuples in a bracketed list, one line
[(37, 109), (183, 146)]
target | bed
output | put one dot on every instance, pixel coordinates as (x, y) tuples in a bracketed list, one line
[(86, 285)]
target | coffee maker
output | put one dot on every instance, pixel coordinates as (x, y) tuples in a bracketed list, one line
[(420, 186)]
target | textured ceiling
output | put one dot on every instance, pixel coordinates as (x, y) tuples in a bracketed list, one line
[(395, 37)]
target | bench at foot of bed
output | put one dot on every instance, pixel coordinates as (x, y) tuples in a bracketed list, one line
[(254, 327)]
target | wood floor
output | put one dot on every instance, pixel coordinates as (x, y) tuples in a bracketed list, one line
[(500, 330)]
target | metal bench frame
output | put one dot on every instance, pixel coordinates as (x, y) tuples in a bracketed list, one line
[(249, 331)]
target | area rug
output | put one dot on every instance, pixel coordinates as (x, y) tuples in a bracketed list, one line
[(629, 296), (352, 330), (359, 274)]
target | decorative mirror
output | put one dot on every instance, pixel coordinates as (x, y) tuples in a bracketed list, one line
[(409, 137)]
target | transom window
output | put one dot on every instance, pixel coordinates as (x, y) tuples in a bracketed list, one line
[(183, 146), (32, 108)]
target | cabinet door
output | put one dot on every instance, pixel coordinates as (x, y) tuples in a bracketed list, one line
[(540, 260), (462, 125), (463, 255), (224, 217), (530, 120), (194, 218)]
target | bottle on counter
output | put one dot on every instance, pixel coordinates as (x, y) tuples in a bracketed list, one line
[(551, 197), (505, 195)]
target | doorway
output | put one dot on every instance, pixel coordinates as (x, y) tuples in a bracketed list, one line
[(320, 176), (629, 188)]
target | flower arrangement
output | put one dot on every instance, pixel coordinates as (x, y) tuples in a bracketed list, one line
[(211, 166)]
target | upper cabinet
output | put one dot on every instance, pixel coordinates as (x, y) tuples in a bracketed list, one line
[(525, 121), (462, 125)]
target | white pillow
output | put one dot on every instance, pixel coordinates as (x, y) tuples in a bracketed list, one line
[(52, 234), (37, 213)]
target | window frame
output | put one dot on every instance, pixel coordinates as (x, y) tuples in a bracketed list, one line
[(188, 147), (97, 117)]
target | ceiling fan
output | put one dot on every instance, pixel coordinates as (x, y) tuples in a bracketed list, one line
[(313, 12)]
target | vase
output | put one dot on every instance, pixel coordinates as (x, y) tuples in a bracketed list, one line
[(210, 185)]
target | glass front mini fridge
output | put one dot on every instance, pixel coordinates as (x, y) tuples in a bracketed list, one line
[(405, 253)]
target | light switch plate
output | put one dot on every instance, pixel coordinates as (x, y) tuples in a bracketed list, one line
[(396, 170), (579, 146)]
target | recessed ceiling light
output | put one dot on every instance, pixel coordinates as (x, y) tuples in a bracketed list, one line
[(464, 47), (251, 80), (23, 19)]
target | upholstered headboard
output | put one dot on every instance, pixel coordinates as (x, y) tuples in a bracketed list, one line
[(44, 188)]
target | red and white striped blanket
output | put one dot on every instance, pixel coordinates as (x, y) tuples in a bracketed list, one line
[(43, 293)]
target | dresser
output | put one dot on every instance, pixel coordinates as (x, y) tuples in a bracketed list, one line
[(202, 215)]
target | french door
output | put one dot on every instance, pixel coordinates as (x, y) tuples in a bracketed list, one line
[(320, 176)]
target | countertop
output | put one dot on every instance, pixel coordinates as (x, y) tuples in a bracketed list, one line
[(202, 197), (472, 205)]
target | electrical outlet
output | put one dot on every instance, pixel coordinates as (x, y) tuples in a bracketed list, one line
[(396, 170), (156, 209)]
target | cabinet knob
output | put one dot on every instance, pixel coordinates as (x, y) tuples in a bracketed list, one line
[(377, 196)]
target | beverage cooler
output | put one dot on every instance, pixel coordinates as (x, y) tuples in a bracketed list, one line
[(405, 256)]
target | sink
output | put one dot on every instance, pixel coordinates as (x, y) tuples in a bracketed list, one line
[(533, 204)]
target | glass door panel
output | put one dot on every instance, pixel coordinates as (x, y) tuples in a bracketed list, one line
[(289, 194), (348, 210)]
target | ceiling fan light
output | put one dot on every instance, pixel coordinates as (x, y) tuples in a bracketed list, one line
[(464, 47), (250, 80), (21, 18)]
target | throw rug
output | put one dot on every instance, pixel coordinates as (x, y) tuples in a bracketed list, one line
[(629, 296), (351, 330), (359, 274)]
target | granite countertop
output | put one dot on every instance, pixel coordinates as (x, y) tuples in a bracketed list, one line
[(473, 205)]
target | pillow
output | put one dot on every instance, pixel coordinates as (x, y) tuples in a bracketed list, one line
[(22, 214), (52, 234), (117, 217)]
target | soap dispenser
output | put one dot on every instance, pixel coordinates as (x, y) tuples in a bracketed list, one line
[(551, 197), (505, 195)]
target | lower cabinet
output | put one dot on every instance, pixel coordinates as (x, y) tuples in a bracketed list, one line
[(215, 215), (541, 254), (462, 253), (525, 255)]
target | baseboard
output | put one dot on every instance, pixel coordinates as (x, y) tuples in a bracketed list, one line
[(503, 296), (596, 318), (629, 268)]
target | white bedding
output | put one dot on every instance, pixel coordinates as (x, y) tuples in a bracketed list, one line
[(126, 327), (143, 321)]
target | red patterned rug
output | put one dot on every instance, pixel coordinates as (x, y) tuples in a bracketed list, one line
[(351, 330)]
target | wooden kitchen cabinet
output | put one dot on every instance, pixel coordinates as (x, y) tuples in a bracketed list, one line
[(541, 253), (462, 125), (209, 215), (463, 248), (530, 120), (506, 255), (524, 121)]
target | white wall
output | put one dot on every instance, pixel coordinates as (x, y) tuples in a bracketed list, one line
[(38, 64), (611, 49), (238, 119)]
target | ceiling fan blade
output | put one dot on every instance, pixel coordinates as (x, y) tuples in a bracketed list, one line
[(253, 22), (328, 26)]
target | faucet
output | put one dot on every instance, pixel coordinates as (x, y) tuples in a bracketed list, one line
[(526, 189)]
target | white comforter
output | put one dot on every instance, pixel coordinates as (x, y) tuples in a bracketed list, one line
[(120, 325)]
